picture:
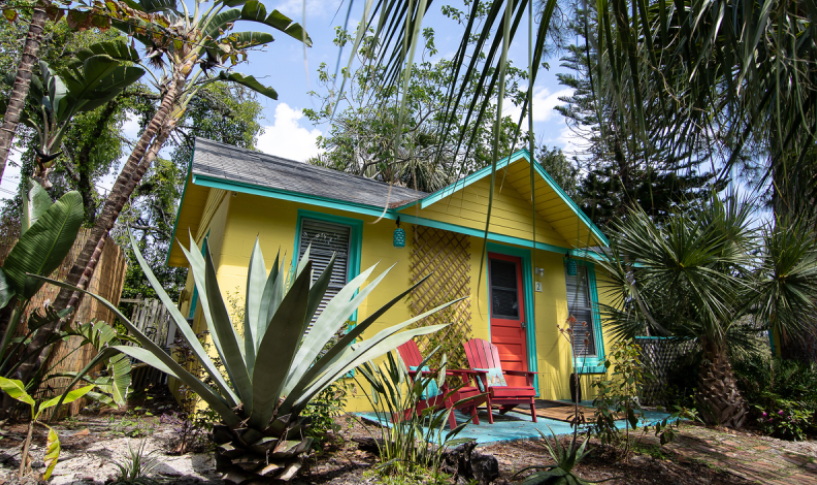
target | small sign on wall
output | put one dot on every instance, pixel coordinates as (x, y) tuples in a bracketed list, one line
[(538, 286)]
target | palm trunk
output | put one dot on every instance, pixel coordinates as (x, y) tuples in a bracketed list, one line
[(719, 399), (84, 265), (19, 92)]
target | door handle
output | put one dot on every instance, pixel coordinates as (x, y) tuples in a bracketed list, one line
[(522, 324)]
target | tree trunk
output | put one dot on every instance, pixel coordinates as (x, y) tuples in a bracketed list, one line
[(719, 399), (19, 92), (120, 193)]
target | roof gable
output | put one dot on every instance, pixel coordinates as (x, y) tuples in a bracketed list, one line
[(553, 206)]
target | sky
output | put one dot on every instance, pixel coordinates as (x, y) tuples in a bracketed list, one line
[(283, 66)]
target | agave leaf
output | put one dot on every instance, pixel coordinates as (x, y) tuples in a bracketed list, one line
[(317, 292), (159, 357), (337, 311), (266, 297), (385, 341), (196, 260), (256, 278), (277, 350), (276, 293), (297, 383), (234, 360), (183, 326), (52, 452), (205, 392)]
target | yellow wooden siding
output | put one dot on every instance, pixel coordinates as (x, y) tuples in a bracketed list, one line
[(511, 214), (239, 219)]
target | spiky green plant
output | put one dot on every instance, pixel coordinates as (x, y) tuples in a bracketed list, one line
[(280, 366), (566, 457), (136, 466)]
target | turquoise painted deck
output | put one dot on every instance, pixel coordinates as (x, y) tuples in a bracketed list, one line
[(512, 426)]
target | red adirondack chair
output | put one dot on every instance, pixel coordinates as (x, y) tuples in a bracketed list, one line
[(484, 355), (446, 398)]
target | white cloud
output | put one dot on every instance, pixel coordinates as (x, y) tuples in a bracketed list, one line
[(543, 103), (572, 143), (287, 138), (314, 8)]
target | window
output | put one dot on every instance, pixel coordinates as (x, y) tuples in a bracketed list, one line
[(504, 291), (327, 238), (580, 300)]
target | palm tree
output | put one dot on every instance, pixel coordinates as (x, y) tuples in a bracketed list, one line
[(707, 274), (19, 91), (188, 50)]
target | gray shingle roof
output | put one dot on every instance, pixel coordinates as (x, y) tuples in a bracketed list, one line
[(218, 160)]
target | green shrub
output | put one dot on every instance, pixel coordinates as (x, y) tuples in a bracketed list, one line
[(782, 395)]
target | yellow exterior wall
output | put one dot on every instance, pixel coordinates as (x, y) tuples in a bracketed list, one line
[(234, 220), (510, 215)]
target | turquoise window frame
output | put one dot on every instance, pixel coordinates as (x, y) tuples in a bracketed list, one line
[(194, 301), (592, 365), (355, 240), (530, 313), (355, 247)]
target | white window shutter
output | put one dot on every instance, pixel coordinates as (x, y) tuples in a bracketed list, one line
[(579, 305), (326, 238)]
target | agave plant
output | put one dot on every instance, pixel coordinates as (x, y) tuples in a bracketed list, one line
[(277, 363), (566, 457)]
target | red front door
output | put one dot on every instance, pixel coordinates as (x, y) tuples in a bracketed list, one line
[(508, 314)]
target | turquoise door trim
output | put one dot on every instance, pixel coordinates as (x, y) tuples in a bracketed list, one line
[(355, 240), (245, 188), (530, 303), (593, 365)]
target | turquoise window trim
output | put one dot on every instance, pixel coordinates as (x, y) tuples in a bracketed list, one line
[(355, 240), (355, 247), (593, 365), (530, 314), (195, 299), (245, 188)]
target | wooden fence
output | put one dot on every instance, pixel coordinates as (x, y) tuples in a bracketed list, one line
[(152, 318), (69, 356)]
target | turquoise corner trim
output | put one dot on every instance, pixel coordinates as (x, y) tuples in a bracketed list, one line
[(245, 188), (593, 365), (355, 240), (187, 181), (530, 310), (195, 299)]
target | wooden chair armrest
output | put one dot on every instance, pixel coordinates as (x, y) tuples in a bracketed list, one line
[(520, 372), (467, 371)]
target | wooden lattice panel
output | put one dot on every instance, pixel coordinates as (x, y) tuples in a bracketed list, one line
[(658, 355), (445, 258)]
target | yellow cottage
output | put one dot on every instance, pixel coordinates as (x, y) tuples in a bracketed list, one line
[(538, 270)]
